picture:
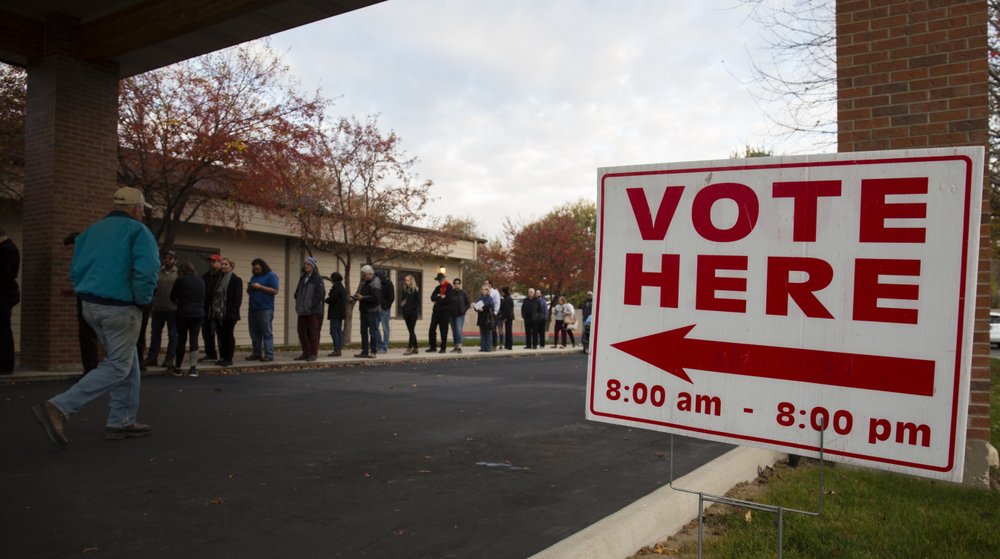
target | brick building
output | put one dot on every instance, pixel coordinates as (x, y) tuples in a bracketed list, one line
[(914, 74)]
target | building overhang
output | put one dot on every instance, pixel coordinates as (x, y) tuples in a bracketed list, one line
[(143, 35)]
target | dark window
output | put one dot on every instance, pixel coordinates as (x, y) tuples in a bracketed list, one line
[(197, 256)]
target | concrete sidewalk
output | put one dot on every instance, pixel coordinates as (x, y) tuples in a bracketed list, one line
[(286, 360)]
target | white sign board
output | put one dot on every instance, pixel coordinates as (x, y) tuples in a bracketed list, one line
[(763, 301)]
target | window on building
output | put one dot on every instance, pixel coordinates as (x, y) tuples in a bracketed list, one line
[(197, 256)]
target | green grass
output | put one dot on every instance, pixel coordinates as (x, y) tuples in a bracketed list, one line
[(867, 514), (870, 514)]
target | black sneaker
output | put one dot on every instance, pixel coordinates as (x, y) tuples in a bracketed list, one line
[(52, 420), (193, 372), (208, 359), (253, 357), (133, 430), (174, 371), (431, 349), (365, 355), (266, 359)]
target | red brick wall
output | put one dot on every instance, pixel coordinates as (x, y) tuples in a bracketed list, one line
[(70, 167), (914, 75)]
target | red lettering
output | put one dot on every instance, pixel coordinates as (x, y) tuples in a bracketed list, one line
[(868, 290), (649, 229), (709, 283), (666, 279), (875, 210), (805, 195), (780, 289), (746, 204)]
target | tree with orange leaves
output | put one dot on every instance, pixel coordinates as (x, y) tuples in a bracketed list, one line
[(213, 134), (13, 90), (556, 253), (364, 204)]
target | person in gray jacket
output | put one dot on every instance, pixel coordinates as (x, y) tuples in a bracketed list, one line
[(309, 306), (164, 311)]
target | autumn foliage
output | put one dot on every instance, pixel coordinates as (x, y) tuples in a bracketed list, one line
[(556, 253), (12, 109), (212, 133)]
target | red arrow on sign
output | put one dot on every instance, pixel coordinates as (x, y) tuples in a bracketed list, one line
[(673, 352)]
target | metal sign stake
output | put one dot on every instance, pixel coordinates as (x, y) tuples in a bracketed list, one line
[(778, 510)]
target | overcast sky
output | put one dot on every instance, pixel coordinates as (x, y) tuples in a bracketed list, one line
[(512, 105)]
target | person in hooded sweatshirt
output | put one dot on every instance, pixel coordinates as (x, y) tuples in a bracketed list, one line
[(309, 295)]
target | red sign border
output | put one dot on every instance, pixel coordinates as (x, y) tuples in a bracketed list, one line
[(839, 163)]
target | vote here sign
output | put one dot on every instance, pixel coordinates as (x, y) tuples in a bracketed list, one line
[(764, 301)]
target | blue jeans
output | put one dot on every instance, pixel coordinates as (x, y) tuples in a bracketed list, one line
[(369, 332), (261, 337), (383, 320), (337, 332), (118, 330), (486, 338), (457, 323), (161, 319)]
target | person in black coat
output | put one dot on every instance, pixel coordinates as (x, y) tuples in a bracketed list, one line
[(225, 311), (188, 293), (410, 304), (531, 312), (336, 311), (506, 317), (208, 334), (89, 343), (441, 316), (10, 296), (369, 298)]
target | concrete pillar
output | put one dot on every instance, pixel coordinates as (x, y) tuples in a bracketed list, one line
[(914, 74), (70, 177)]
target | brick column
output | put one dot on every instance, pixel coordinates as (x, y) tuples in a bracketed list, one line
[(914, 74), (70, 176)]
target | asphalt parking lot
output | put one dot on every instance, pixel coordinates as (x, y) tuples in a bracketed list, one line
[(454, 458)]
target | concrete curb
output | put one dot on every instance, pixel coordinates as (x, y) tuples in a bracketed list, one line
[(663, 512), (283, 361)]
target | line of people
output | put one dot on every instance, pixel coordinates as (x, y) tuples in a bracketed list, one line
[(186, 305)]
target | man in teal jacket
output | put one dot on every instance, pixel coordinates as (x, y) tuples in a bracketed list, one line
[(114, 269)]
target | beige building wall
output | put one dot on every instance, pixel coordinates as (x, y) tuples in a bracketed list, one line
[(242, 248), (284, 255)]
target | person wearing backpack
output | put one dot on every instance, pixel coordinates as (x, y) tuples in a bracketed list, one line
[(385, 310)]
